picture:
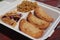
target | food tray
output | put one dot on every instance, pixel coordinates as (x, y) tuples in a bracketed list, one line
[(51, 11)]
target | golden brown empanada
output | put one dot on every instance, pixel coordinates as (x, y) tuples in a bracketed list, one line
[(30, 29), (38, 22), (40, 13)]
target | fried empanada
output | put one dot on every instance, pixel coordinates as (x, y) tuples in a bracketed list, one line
[(38, 22), (40, 13), (30, 29)]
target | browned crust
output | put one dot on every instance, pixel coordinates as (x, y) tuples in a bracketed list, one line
[(40, 13), (28, 31), (43, 25)]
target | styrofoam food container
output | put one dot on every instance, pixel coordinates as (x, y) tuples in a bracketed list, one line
[(5, 3), (50, 11)]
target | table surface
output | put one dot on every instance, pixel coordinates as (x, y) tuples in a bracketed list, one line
[(56, 34)]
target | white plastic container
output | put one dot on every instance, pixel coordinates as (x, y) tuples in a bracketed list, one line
[(51, 11), (5, 3)]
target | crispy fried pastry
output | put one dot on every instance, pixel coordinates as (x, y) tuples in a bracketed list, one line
[(38, 22), (30, 29), (40, 13)]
